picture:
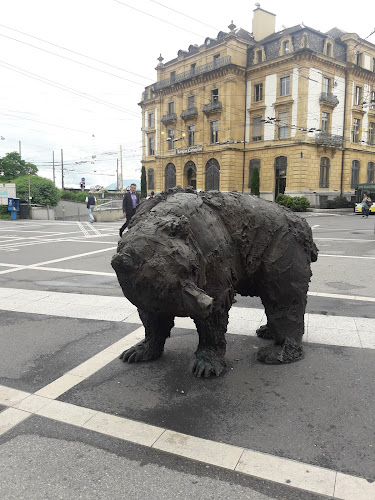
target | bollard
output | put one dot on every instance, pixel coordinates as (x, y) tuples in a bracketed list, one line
[(63, 212)]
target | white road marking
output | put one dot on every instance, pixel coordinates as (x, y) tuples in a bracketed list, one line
[(346, 256), (357, 240), (76, 271), (82, 228)]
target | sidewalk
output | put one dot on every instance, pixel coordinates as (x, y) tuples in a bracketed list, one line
[(305, 426)]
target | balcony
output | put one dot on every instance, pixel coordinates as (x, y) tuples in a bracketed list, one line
[(199, 70), (328, 98), (171, 118), (188, 114), (329, 140), (213, 107)]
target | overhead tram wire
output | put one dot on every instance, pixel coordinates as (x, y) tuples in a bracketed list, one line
[(185, 15), (75, 52), (65, 88), (72, 60)]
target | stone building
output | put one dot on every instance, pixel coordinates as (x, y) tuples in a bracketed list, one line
[(298, 104)]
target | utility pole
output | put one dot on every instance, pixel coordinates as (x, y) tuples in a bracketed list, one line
[(62, 170), (53, 167), (19, 147), (122, 179), (117, 176)]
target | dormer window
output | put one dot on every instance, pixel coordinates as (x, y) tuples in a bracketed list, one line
[(286, 45), (259, 56), (359, 59), (329, 49)]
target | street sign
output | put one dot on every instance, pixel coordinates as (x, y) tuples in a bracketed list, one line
[(83, 179)]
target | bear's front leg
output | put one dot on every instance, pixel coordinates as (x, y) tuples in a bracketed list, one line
[(210, 354), (158, 329)]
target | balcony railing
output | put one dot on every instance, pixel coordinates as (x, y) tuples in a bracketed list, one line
[(329, 140), (213, 107), (189, 113), (328, 98), (198, 70), (171, 118)]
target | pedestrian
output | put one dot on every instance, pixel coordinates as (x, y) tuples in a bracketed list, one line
[(91, 203), (366, 201), (129, 205)]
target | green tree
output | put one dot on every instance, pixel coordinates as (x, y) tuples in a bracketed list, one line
[(43, 191), (143, 183), (255, 182), (12, 166)]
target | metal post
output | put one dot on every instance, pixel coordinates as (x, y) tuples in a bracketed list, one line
[(19, 147), (53, 167), (122, 178), (62, 170), (117, 176)]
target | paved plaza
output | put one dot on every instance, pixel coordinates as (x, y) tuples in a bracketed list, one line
[(77, 422)]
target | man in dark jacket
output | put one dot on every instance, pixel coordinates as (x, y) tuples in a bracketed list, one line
[(129, 204)]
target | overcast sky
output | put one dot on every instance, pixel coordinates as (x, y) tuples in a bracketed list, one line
[(89, 108)]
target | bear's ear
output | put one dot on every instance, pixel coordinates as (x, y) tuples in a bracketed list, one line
[(179, 227)]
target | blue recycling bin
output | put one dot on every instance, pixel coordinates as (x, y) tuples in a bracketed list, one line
[(13, 207)]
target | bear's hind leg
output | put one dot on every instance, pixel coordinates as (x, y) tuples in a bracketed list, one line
[(158, 329), (210, 354)]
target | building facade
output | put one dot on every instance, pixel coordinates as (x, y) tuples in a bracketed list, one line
[(297, 104)]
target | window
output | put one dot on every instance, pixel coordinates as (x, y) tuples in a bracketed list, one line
[(257, 128), (284, 85), (326, 85), (173, 76), (370, 172), (254, 163), (151, 146), (150, 180), (191, 101), (212, 181), (371, 130), (259, 56), (286, 47), (216, 60), (325, 122), (283, 124), (358, 95), (171, 108), (324, 172), (191, 135), (214, 131), (373, 64), (372, 104), (359, 59), (151, 120), (355, 174), (170, 176), (214, 95), (329, 49), (170, 139), (192, 68), (356, 128), (258, 92)]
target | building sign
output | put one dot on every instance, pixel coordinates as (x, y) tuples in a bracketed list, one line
[(7, 191), (189, 150)]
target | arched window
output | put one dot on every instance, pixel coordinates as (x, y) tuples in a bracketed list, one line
[(355, 174), (370, 172), (170, 176), (212, 175), (281, 163), (254, 163), (150, 179), (190, 174), (324, 172)]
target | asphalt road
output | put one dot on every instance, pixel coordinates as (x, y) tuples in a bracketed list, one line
[(318, 412)]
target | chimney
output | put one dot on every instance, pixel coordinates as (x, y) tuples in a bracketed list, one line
[(263, 23)]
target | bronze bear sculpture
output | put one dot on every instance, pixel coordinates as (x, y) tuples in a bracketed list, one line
[(188, 253)]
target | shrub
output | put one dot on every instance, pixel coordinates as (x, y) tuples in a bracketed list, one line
[(4, 212), (338, 202), (43, 191), (295, 203), (73, 195)]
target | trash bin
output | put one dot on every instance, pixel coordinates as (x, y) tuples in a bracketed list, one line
[(24, 212)]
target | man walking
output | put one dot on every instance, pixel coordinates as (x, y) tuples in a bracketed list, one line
[(91, 202), (129, 204)]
